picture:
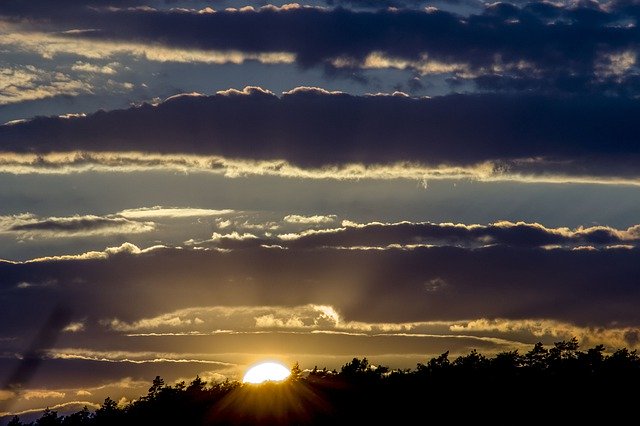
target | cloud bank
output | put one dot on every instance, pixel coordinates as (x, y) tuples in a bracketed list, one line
[(309, 128), (505, 233), (542, 46), (30, 226), (583, 287)]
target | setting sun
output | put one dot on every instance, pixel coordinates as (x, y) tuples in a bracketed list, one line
[(266, 372)]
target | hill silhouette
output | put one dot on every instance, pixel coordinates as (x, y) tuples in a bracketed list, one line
[(560, 384)]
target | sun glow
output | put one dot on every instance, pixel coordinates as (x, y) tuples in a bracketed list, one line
[(266, 372)]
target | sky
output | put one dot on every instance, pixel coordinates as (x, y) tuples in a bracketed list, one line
[(189, 187)]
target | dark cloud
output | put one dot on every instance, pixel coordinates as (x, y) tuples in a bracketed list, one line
[(381, 4), (587, 287), (502, 233), (43, 9), (30, 226), (583, 136), (549, 43), (73, 224), (554, 81)]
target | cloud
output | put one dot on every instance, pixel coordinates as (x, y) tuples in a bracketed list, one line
[(611, 337), (25, 405), (159, 212), (326, 320), (124, 248), (42, 394), (164, 321), (500, 136), (378, 4), (582, 287), (309, 220), (506, 233), (269, 321), (6, 395), (96, 69), (27, 226), (537, 45), (235, 240), (69, 405), (129, 357), (243, 319), (127, 162), (27, 83), (55, 45), (74, 327)]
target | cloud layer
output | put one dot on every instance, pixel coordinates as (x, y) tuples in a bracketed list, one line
[(500, 233), (587, 287), (588, 47), (30, 226), (312, 128)]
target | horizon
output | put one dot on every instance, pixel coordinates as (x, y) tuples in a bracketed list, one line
[(270, 393)]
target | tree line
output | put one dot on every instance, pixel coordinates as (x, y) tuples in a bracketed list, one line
[(561, 383)]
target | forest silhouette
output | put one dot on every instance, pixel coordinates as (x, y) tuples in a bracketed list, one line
[(560, 384)]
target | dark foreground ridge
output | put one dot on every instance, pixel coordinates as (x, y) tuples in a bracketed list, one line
[(557, 384)]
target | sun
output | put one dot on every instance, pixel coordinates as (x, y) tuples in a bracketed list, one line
[(266, 372)]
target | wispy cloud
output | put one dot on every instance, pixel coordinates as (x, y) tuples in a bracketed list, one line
[(131, 357), (309, 220), (28, 226), (41, 394), (325, 319), (27, 83), (65, 405), (158, 212), (54, 45)]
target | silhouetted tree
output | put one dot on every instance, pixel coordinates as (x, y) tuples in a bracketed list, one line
[(196, 385), (49, 418), (15, 421), (156, 387), (564, 350), (108, 413), (380, 370), (622, 360), (435, 365), (507, 361), (321, 374), (296, 372), (592, 359), (474, 361), (80, 418), (536, 358), (356, 366), (471, 388)]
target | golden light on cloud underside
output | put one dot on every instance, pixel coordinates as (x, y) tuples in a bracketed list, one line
[(70, 162), (266, 372)]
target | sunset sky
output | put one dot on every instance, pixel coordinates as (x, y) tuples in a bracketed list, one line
[(200, 185)]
